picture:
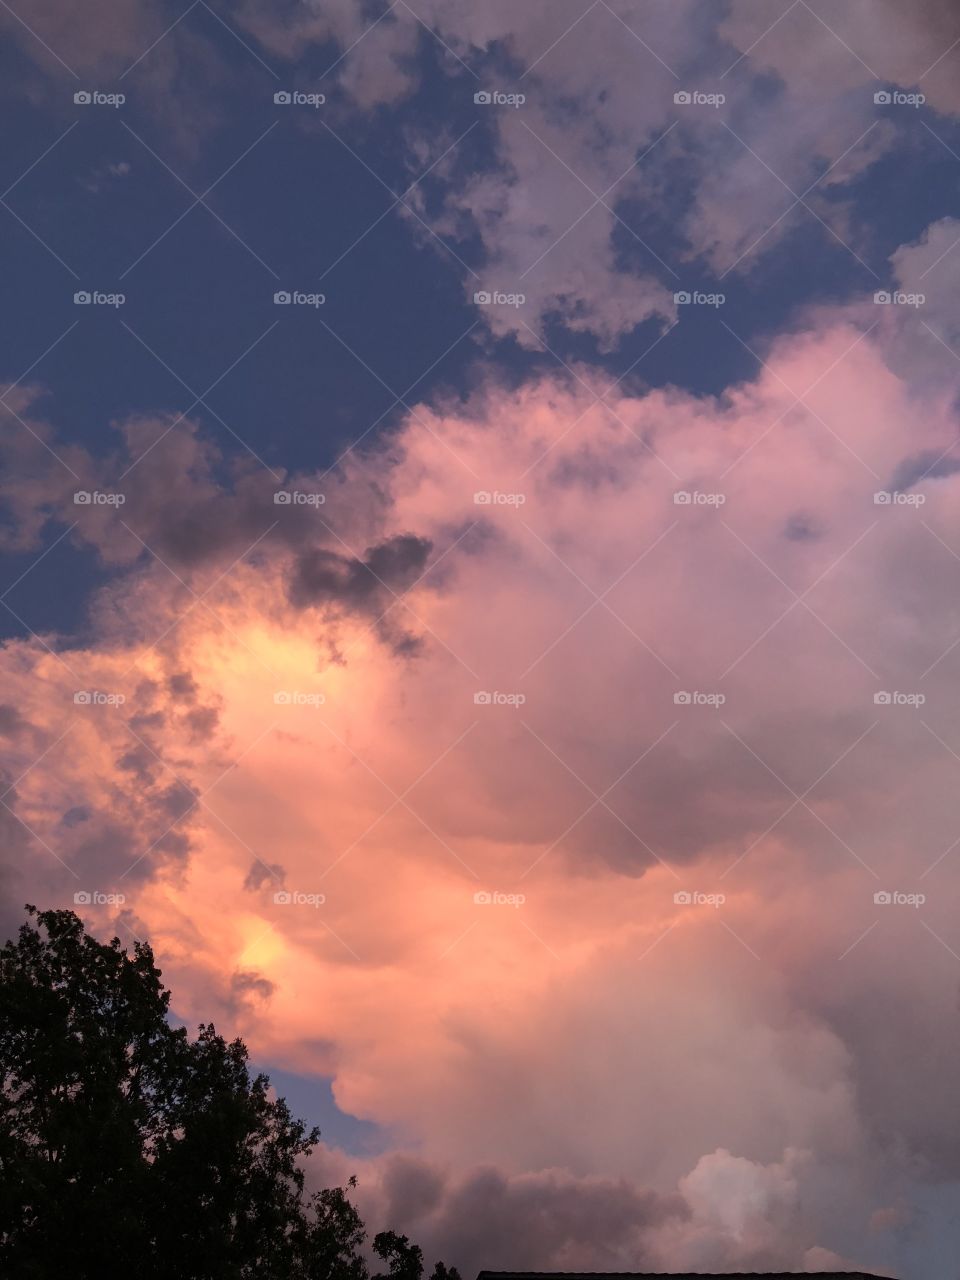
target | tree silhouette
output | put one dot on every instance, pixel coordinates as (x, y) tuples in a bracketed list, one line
[(128, 1148)]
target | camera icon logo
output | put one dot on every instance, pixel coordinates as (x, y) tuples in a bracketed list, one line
[(683, 898), (882, 98), (682, 98), (882, 298), (282, 298), (483, 898), (82, 898), (882, 899), (482, 699), (82, 498), (482, 298), (283, 897), (282, 98), (882, 699), (82, 98), (681, 298), (82, 298), (482, 498), (483, 98), (682, 699), (682, 498), (82, 698), (282, 498), (282, 698)]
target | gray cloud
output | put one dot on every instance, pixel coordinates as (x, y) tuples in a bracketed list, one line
[(322, 577), (922, 466), (536, 1220), (262, 873)]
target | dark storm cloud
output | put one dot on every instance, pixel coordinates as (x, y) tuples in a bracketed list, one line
[(532, 1221), (413, 1188)]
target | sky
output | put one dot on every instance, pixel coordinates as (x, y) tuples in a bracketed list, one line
[(480, 539)]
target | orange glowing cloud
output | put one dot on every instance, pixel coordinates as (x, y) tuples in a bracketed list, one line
[(543, 762)]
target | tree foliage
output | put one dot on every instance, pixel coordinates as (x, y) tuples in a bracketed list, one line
[(126, 1147)]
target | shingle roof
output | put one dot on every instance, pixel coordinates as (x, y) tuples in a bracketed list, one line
[(664, 1275)]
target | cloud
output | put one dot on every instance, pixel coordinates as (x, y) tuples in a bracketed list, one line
[(175, 512), (747, 1214), (601, 578), (528, 1221), (923, 329), (838, 48), (368, 583), (573, 782), (103, 39), (595, 199), (726, 1212), (581, 208)]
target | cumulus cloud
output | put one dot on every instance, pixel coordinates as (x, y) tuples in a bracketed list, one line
[(572, 783), (727, 1213), (580, 208), (526, 1221), (835, 48), (575, 199), (618, 888)]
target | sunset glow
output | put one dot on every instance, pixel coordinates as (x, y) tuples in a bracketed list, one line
[(534, 721)]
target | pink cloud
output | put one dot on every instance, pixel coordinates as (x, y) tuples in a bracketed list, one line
[(582, 1018)]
